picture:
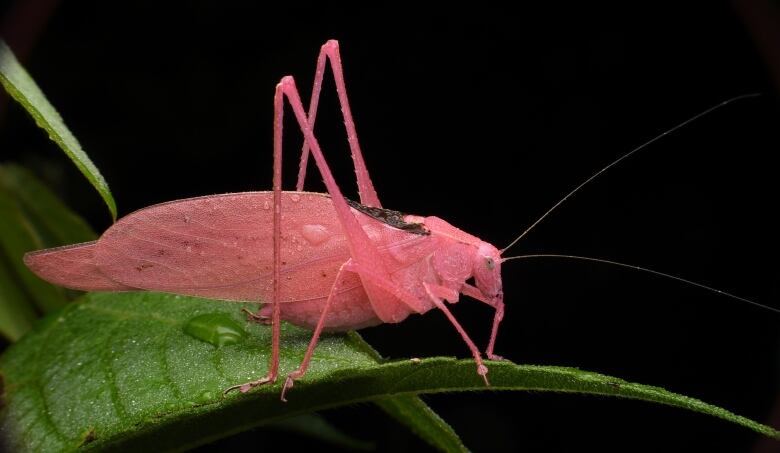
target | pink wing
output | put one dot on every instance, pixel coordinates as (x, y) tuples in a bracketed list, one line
[(220, 247), (216, 246), (72, 266)]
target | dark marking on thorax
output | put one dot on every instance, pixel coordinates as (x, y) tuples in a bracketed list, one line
[(393, 218)]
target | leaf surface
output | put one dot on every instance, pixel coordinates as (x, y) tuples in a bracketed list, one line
[(118, 371)]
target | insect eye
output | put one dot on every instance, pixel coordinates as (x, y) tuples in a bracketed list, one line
[(490, 263)]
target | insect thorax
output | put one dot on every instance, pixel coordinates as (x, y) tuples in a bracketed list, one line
[(387, 216)]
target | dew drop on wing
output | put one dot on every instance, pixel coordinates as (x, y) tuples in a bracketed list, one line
[(315, 234)]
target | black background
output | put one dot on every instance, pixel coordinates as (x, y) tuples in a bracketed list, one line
[(483, 117)]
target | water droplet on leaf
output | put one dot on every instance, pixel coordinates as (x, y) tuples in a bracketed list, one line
[(205, 396), (218, 329)]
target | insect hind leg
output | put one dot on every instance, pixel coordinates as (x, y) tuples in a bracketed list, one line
[(330, 51)]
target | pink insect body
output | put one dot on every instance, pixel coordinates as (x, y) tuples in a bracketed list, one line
[(320, 261)]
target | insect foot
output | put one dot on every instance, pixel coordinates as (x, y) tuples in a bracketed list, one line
[(243, 388), (494, 357), (289, 382), (257, 317), (482, 370)]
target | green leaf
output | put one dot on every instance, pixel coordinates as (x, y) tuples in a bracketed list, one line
[(316, 427), (54, 222), (18, 83), (117, 371), (18, 236), (16, 311), (412, 412), (33, 218)]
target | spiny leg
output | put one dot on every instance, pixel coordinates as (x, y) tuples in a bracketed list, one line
[(494, 332), (330, 51), (362, 251), (498, 305), (273, 364), (361, 248), (437, 294), (297, 374), (360, 245)]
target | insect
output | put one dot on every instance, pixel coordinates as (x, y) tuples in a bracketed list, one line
[(324, 262), (320, 260)]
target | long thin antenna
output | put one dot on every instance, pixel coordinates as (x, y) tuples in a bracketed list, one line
[(630, 153), (643, 269)]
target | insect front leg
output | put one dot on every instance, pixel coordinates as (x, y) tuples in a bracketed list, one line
[(436, 293), (475, 293), (330, 51), (439, 293)]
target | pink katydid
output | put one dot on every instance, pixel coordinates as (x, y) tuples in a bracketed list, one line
[(333, 265)]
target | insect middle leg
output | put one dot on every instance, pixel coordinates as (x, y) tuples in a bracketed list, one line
[(297, 374)]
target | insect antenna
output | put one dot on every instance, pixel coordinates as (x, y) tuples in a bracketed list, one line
[(642, 269), (628, 154)]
